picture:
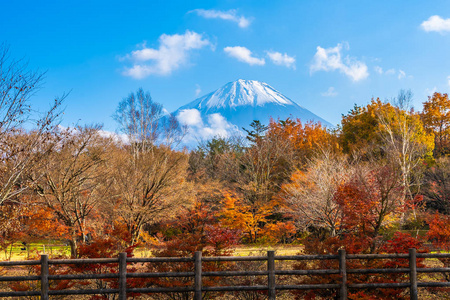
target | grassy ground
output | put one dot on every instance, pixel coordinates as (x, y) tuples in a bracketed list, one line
[(20, 252), (245, 250), (55, 248)]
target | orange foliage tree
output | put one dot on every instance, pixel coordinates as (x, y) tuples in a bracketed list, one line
[(304, 139), (254, 221), (436, 120)]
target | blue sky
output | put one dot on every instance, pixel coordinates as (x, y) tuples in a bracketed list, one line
[(325, 55)]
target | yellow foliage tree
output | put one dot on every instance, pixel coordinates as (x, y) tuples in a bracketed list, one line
[(387, 131)]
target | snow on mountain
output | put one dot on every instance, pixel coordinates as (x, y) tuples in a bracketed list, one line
[(241, 93), (236, 105)]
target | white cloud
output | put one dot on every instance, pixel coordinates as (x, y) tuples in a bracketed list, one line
[(244, 55), (229, 15), (190, 117), (198, 90), (331, 92), (173, 52), (282, 59), (199, 129), (116, 137), (401, 74), (378, 69), (219, 126), (448, 80), (390, 72), (330, 60), (436, 23)]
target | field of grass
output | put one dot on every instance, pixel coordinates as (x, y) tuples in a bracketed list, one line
[(21, 252), (56, 248)]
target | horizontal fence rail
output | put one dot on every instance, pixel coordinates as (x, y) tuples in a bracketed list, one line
[(197, 275)]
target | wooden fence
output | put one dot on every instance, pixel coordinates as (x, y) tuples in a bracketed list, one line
[(197, 289)]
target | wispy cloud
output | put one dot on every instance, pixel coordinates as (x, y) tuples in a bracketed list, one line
[(173, 52), (331, 92), (244, 55), (229, 15), (390, 72), (437, 24), (400, 73), (281, 59), (331, 60), (430, 92), (378, 69), (198, 90)]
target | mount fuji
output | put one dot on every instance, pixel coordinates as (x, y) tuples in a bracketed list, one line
[(236, 105)]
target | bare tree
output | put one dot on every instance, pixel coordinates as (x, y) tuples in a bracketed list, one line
[(72, 182), (437, 186), (21, 150), (310, 195), (144, 123), (148, 188), (264, 166), (148, 176)]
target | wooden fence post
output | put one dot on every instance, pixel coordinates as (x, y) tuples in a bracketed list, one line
[(123, 276), (343, 274), (44, 277), (271, 274), (198, 275), (413, 274)]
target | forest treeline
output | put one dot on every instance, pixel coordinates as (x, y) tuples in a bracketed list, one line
[(369, 185)]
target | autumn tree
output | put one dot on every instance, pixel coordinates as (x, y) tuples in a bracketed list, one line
[(148, 175), (21, 150), (436, 120), (148, 188), (370, 202), (404, 140), (310, 194), (250, 220), (255, 222), (381, 131), (10, 226), (217, 159), (264, 166), (72, 182), (436, 189), (304, 139), (195, 229), (360, 128)]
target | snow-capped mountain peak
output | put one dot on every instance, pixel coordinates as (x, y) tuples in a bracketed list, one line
[(241, 93), (235, 105)]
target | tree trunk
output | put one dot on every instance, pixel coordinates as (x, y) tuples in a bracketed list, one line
[(73, 246)]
